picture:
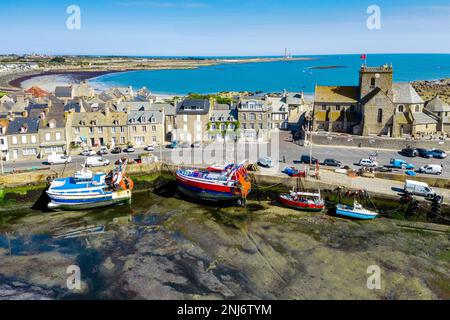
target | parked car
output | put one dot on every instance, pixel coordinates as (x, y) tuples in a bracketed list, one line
[(332, 163), (116, 150), (419, 188), (439, 154), (87, 153), (150, 147), (196, 144), (173, 145), (431, 169), (266, 162), (424, 153), (103, 150), (130, 149), (410, 152), (368, 163), (401, 164), (185, 145), (307, 159), (97, 162), (58, 159)]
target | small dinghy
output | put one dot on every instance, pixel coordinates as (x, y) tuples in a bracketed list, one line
[(356, 211)]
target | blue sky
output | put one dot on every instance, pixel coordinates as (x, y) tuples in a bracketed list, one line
[(224, 27)]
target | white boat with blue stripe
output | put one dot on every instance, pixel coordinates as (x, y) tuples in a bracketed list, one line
[(356, 212), (85, 190)]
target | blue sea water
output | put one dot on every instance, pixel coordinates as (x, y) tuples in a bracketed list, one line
[(280, 75)]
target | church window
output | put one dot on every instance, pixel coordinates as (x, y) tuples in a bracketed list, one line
[(380, 115), (401, 108), (324, 107), (417, 108), (338, 108), (372, 82)]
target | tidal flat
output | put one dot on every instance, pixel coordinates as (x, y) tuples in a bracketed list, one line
[(170, 248)]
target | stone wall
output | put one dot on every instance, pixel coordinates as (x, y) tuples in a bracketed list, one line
[(377, 142)]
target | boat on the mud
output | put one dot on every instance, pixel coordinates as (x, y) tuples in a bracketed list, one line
[(304, 201), (356, 211), (86, 190), (229, 183)]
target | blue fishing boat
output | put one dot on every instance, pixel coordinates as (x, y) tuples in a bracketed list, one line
[(356, 211), (86, 190)]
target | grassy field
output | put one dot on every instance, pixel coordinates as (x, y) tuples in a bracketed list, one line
[(2, 94)]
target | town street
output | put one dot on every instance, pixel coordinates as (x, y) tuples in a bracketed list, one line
[(289, 150)]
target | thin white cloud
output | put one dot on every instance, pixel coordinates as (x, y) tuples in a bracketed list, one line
[(161, 4)]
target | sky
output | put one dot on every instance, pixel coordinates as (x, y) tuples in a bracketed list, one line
[(224, 27)]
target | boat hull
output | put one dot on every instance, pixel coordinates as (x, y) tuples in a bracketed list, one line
[(59, 203), (207, 195), (301, 206), (355, 215)]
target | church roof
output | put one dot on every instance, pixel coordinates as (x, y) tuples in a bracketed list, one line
[(437, 105), (405, 93), (422, 118), (337, 94)]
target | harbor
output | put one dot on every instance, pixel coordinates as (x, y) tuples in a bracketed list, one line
[(165, 245)]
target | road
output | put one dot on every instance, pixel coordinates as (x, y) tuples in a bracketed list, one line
[(217, 154)]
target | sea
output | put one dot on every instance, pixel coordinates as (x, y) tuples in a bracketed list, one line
[(290, 75)]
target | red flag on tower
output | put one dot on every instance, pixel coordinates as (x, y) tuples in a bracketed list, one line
[(364, 56)]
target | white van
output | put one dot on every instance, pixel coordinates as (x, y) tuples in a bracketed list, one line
[(97, 162), (419, 188), (368, 163), (58, 159), (431, 169)]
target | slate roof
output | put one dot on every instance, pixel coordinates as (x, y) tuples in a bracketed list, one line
[(15, 125), (437, 105), (193, 106), (405, 93), (337, 94), (64, 92), (422, 118), (55, 113), (139, 116), (102, 120)]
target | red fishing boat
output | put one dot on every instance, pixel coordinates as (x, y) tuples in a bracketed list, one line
[(303, 201), (230, 183)]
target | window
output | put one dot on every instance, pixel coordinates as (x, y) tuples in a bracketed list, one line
[(260, 116), (417, 108), (213, 127), (134, 129), (91, 130), (324, 107), (143, 119), (2, 141), (77, 130), (252, 116), (372, 82), (100, 130), (29, 151), (144, 128), (153, 128), (154, 139), (122, 140), (380, 116), (401, 108), (338, 108), (14, 140), (33, 139), (24, 139), (58, 136), (113, 129), (48, 137), (122, 129)]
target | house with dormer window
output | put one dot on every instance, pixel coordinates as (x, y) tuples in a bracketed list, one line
[(52, 130), (23, 138)]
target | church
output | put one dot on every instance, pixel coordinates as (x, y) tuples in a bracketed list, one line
[(377, 106)]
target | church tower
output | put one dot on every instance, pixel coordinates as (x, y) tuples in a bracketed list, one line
[(371, 78)]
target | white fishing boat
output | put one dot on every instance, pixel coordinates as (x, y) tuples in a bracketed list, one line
[(356, 211)]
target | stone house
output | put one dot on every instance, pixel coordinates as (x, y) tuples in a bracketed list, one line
[(23, 138), (440, 110), (95, 129), (223, 124), (279, 112), (52, 130), (191, 120), (254, 118), (146, 127), (4, 122)]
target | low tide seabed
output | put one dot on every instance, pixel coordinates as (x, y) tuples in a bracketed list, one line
[(165, 247)]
